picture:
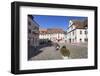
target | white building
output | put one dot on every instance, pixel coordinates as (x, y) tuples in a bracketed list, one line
[(33, 32), (53, 34), (77, 31)]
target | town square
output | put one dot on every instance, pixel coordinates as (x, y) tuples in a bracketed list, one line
[(55, 42)]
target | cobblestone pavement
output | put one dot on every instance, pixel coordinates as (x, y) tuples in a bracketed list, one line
[(77, 51), (48, 53)]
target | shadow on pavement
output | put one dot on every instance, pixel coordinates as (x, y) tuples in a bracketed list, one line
[(33, 52)]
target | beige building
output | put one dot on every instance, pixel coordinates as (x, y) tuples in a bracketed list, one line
[(33, 32), (77, 31), (52, 34)]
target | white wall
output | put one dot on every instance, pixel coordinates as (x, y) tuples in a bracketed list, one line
[(52, 37), (72, 34), (5, 41), (80, 36)]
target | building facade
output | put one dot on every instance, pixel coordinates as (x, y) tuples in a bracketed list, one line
[(77, 31), (52, 34), (33, 32)]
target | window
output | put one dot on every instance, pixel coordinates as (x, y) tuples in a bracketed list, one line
[(80, 40), (70, 40), (29, 31), (85, 40), (80, 32), (85, 32), (29, 23), (73, 32)]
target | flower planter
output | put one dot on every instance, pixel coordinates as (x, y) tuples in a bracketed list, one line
[(65, 57), (65, 52)]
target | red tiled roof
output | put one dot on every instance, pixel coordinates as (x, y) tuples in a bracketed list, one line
[(51, 30), (80, 24)]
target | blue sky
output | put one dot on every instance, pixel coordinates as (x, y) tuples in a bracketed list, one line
[(47, 21)]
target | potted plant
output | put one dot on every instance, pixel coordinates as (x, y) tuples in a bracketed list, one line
[(65, 52)]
